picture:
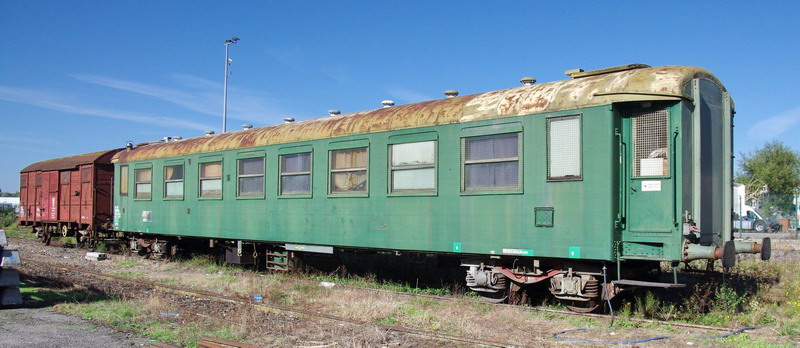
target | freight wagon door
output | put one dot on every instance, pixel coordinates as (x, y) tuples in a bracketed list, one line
[(650, 177), (52, 196), (87, 194), (64, 196)]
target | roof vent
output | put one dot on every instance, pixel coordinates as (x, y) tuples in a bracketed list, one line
[(451, 93), (527, 81), (578, 73), (247, 126), (129, 145), (177, 137), (334, 112), (167, 139), (209, 132), (387, 103), (571, 73), (288, 120)]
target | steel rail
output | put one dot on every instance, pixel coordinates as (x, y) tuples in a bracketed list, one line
[(271, 307)]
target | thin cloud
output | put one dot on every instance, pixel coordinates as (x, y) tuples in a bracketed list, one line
[(407, 96), (774, 126), (51, 101), (204, 97), (198, 102)]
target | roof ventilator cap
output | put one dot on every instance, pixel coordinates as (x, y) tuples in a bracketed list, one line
[(247, 126), (334, 112), (177, 137), (451, 93), (288, 120), (572, 72), (167, 139), (209, 132), (387, 103), (527, 81)]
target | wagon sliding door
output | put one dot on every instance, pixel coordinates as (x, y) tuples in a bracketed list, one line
[(650, 178)]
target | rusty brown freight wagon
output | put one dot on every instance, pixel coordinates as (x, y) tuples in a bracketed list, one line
[(68, 196)]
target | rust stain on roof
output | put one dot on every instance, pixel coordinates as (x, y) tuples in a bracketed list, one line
[(71, 162), (644, 84)]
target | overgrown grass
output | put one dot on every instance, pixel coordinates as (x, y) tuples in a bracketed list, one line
[(755, 293), (370, 282), (20, 232)]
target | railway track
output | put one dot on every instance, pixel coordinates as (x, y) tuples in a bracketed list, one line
[(555, 311), (531, 309), (273, 307)]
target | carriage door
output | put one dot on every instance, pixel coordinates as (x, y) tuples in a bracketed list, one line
[(650, 179)]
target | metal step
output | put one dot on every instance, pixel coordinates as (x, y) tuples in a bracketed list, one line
[(630, 282)]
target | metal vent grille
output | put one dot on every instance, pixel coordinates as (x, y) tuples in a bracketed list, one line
[(543, 216), (650, 144)]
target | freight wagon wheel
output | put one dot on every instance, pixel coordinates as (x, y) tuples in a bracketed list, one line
[(47, 237), (64, 230)]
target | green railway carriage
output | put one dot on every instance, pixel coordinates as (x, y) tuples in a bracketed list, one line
[(623, 167)]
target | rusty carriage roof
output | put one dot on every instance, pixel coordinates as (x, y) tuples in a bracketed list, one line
[(631, 83), (72, 162)]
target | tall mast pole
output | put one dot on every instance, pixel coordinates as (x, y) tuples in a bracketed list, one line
[(228, 43)]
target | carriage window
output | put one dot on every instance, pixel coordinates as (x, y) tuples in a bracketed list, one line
[(38, 179), (64, 178), (86, 175), (650, 143), (211, 180), (295, 174), (123, 180), (491, 162), (564, 148), (348, 171), (251, 177), (173, 181), (23, 181), (413, 167), (143, 183)]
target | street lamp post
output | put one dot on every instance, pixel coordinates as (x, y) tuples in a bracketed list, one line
[(228, 61)]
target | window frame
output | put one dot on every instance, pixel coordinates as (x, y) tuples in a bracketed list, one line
[(580, 147), (331, 171), (86, 175), (510, 129), (392, 169), (635, 161), (124, 176), (239, 177), (282, 174), (201, 179), (168, 181), (137, 183), (63, 175)]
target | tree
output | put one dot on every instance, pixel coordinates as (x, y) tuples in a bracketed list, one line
[(774, 167)]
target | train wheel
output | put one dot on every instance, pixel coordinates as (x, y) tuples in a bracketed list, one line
[(581, 306), (586, 300), (64, 230), (494, 297), (47, 237)]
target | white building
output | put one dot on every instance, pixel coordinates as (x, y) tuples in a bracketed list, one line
[(12, 201)]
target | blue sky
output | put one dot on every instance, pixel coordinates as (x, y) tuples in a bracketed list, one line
[(84, 76)]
